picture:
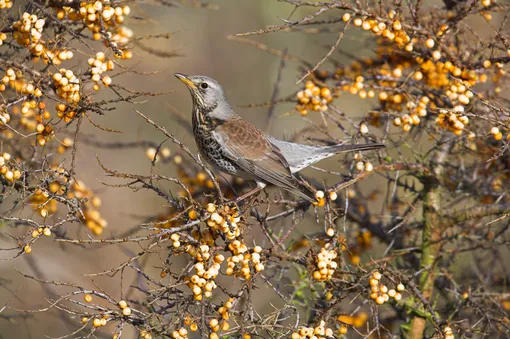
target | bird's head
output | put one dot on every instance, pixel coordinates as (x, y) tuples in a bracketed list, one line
[(208, 95)]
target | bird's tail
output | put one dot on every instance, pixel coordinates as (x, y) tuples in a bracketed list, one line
[(301, 189), (353, 148)]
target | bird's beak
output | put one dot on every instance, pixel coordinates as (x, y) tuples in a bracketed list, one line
[(186, 80)]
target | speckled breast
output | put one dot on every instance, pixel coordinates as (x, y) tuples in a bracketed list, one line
[(210, 149)]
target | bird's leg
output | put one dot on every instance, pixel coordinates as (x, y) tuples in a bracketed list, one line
[(248, 194)]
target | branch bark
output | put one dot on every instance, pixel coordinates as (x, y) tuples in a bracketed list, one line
[(433, 227)]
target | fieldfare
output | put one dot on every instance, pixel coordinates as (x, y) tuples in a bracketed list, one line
[(237, 147)]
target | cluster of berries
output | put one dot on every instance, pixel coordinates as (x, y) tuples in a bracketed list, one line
[(380, 292), (313, 98), (319, 332)]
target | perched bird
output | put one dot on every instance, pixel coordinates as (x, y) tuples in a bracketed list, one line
[(237, 147)]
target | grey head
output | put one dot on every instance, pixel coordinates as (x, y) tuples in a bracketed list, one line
[(208, 96)]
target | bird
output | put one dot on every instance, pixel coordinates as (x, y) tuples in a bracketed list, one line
[(236, 147)]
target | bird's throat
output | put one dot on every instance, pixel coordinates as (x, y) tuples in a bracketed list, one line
[(202, 121)]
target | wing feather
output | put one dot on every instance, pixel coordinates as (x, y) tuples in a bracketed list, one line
[(248, 147)]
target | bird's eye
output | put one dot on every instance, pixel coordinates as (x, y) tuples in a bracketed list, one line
[(204, 85)]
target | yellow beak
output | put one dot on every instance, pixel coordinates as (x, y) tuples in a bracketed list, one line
[(186, 81)]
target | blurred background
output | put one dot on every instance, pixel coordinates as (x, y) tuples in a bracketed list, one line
[(248, 76)]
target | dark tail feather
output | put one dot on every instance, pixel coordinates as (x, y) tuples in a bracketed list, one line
[(306, 192), (301, 189), (354, 148)]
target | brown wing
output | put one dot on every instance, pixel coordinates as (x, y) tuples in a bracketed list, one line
[(250, 149)]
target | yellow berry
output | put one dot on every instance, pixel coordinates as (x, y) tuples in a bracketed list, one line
[(333, 196), (107, 81), (317, 275), (319, 195), (369, 167), (126, 311), (193, 215), (211, 208), (213, 322), (325, 92), (9, 175), (360, 165)]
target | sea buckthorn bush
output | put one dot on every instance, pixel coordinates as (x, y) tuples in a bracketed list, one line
[(418, 252)]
